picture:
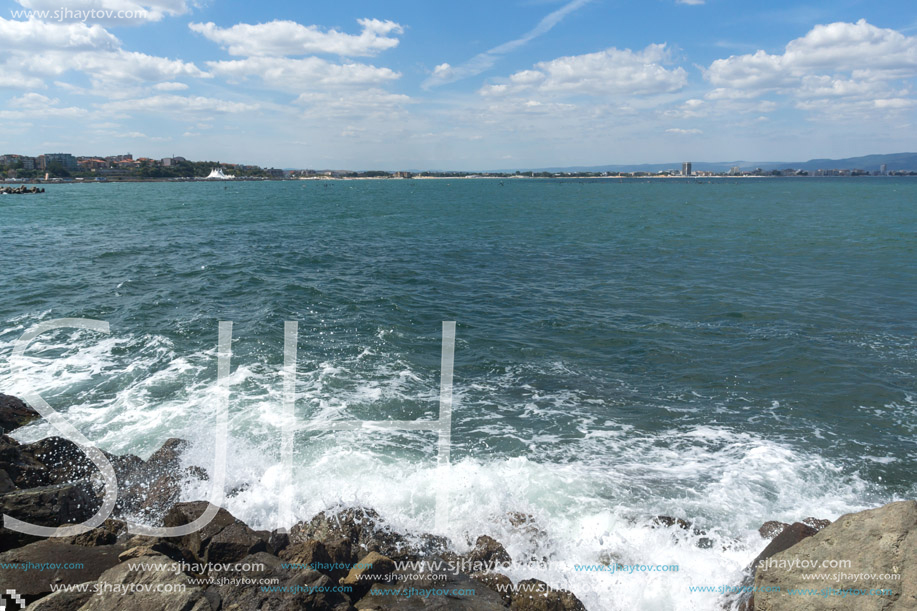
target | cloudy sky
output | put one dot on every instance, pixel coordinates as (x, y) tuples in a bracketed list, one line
[(407, 84)]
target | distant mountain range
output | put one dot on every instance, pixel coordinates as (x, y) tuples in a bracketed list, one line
[(894, 161)]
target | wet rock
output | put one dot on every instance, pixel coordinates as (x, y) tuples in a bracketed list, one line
[(488, 552), (879, 542), (816, 523), (46, 506), (392, 596), (771, 529), (372, 568), (14, 413), (84, 564), (314, 555), (787, 538), (168, 591), (535, 595), (6, 484), (107, 534), (497, 582), (23, 469), (224, 539), (362, 527), (312, 589)]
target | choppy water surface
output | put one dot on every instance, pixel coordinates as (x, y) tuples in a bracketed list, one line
[(728, 352)]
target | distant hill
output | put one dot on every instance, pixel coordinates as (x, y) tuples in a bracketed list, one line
[(894, 161)]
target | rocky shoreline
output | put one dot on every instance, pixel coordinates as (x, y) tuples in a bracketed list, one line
[(349, 558), (22, 190)]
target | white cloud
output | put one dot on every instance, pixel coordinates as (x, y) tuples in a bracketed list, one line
[(690, 2), (35, 49), (178, 105), (170, 86), (300, 75), (11, 79), (837, 59), (281, 38), (31, 100), (606, 73), (35, 35), (683, 132)]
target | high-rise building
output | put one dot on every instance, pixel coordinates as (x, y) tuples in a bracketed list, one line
[(883, 170), (686, 168)]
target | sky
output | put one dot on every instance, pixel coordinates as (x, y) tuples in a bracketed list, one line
[(420, 85)]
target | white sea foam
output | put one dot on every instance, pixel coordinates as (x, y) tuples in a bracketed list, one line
[(591, 496)]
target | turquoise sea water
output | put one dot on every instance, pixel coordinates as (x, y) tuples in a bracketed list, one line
[(729, 352)]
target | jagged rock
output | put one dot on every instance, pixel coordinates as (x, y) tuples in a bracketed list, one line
[(34, 584), (487, 553), (277, 541), (362, 527), (498, 582), (788, 537), (815, 523), (380, 598), (372, 568), (61, 601), (535, 595), (876, 542), (188, 598), (309, 595), (23, 469), (106, 534), (6, 484), (14, 413), (771, 529), (46, 506), (224, 539), (313, 554)]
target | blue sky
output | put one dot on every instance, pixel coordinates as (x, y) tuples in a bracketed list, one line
[(471, 85)]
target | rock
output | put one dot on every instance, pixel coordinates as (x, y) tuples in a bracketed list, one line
[(497, 582), (168, 456), (792, 534), (362, 527), (535, 595), (391, 596), (372, 568), (46, 506), (771, 529), (106, 534), (23, 469), (88, 563), (14, 413), (487, 554), (224, 539), (314, 555), (815, 523), (788, 537), (277, 541), (61, 601), (877, 542), (312, 588), (167, 591), (6, 484)]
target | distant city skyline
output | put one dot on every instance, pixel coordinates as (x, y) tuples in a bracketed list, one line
[(402, 85)]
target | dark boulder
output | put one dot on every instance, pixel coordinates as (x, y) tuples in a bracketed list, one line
[(224, 539), (362, 527), (14, 413), (535, 595), (82, 564), (46, 506), (305, 588)]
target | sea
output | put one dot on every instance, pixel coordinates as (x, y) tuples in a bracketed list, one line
[(727, 352)]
